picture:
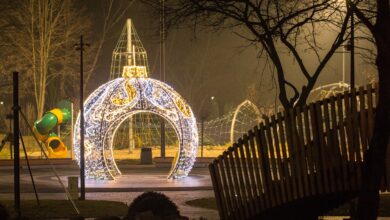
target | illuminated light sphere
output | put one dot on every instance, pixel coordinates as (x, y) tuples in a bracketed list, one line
[(132, 93), (112, 103)]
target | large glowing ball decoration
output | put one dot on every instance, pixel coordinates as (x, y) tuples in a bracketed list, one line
[(109, 105)]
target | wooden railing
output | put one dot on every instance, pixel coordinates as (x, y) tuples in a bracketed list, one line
[(304, 152)]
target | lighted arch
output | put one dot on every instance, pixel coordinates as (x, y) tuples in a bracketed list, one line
[(109, 105), (241, 105)]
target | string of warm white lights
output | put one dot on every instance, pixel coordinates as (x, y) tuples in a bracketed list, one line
[(108, 106)]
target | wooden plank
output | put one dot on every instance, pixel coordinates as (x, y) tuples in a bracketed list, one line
[(370, 110), (303, 151), (355, 136), (251, 173), (239, 199), (322, 147), (309, 150), (234, 202), (280, 171), (257, 169), (343, 144), (350, 141), (296, 160), (340, 172), (225, 190), (363, 120), (240, 177), (286, 171), (291, 159), (266, 165), (247, 186), (316, 145), (222, 206), (273, 165), (263, 168), (328, 148)]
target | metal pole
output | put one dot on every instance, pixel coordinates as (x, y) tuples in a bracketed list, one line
[(10, 131), (71, 131), (162, 69), (352, 52), (202, 140), (162, 124), (82, 148), (16, 142), (29, 169)]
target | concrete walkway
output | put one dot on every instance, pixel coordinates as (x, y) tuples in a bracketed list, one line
[(133, 179)]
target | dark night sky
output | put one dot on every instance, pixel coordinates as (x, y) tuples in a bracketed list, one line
[(221, 56)]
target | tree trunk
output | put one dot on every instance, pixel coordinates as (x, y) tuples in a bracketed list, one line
[(376, 156)]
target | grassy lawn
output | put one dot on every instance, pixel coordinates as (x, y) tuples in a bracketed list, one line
[(64, 209), (384, 206)]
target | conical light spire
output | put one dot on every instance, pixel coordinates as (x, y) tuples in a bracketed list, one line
[(129, 58)]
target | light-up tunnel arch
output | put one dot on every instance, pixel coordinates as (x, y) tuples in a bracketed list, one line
[(245, 104), (109, 105)]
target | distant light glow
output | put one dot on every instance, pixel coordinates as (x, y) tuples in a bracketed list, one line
[(109, 105)]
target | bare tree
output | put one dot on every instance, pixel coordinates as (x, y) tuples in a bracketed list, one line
[(40, 35), (37, 37), (277, 27), (375, 15)]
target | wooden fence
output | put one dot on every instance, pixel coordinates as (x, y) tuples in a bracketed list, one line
[(306, 152)]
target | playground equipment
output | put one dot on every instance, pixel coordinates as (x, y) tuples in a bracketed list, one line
[(43, 127)]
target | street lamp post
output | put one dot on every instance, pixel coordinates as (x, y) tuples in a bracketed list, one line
[(81, 47)]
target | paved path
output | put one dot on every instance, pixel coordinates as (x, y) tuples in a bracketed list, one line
[(134, 179)]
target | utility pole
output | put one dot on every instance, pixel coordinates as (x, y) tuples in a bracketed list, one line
[(162, 132), (15, 109), (80, 47)]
